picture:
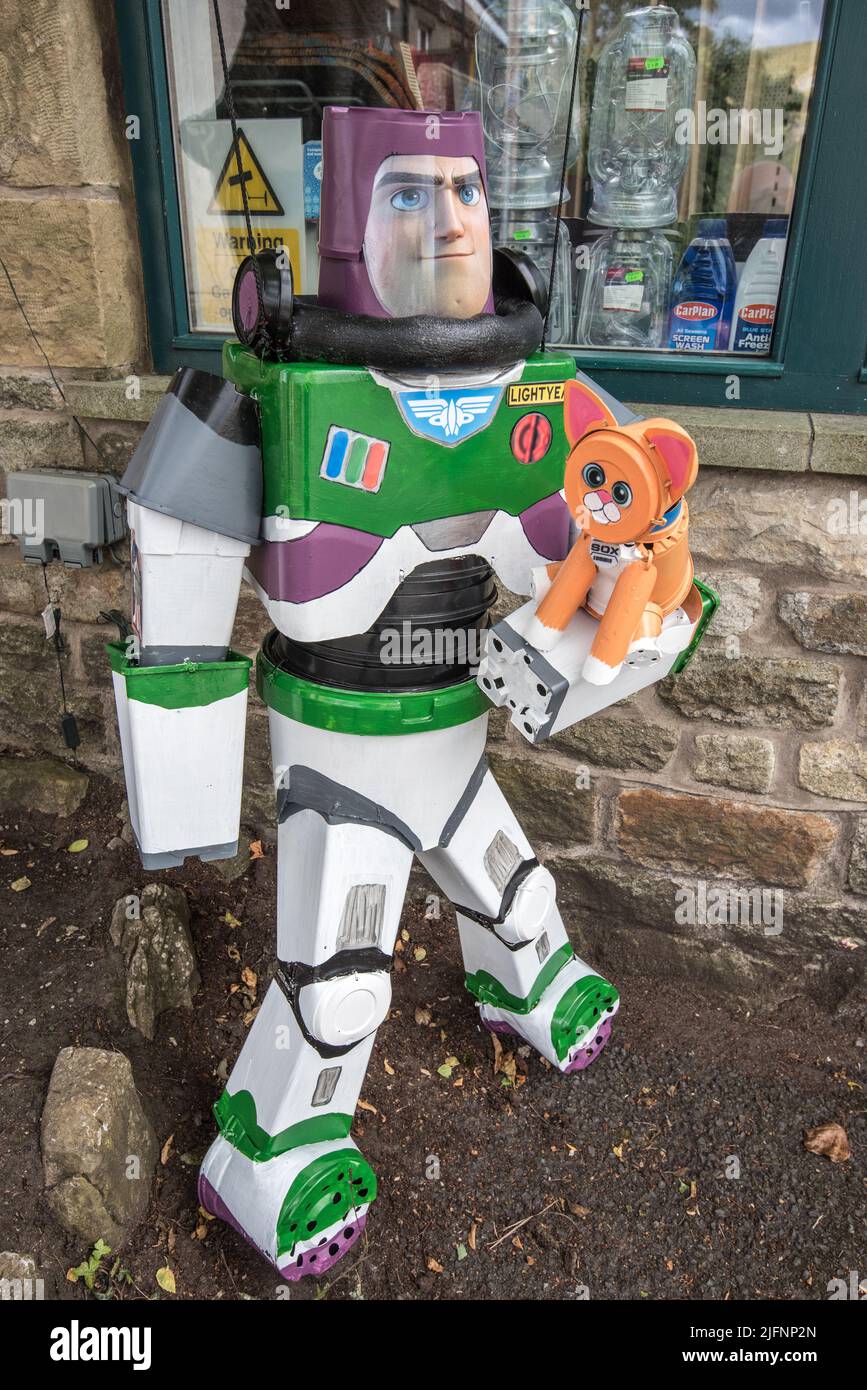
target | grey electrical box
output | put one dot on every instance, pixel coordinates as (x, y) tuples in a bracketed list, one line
[(63, 515)]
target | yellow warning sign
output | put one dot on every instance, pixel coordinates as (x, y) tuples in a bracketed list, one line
[(228, 198), (220, 251)]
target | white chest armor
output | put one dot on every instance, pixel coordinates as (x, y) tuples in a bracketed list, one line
[(610, 561)]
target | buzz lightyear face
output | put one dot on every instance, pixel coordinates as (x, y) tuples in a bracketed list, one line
[(427, 243)]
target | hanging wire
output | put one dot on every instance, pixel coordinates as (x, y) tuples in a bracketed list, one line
[(32, 331), (572, 89), (230, 104)]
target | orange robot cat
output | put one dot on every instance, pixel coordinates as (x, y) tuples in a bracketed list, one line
[(630, 567)]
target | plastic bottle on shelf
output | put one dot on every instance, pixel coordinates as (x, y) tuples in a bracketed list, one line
[(625, 292), (645, 77), (703, 293), (758, 290)]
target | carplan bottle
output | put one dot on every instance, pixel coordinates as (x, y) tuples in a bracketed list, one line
[(759, 288), (703, 293)]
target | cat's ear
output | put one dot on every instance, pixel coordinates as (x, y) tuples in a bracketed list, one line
[(583, 410), (677, 450)]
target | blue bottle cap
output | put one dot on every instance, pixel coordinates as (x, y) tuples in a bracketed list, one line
[(713, 228), (776, 226)]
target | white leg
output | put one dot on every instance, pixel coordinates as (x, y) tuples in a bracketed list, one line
[(518, 960), (284, 1170)]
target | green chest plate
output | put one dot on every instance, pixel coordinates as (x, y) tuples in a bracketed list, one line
[(337, 446)]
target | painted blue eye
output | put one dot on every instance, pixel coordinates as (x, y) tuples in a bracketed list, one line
[(593, 475), (410, 199), (470, 194), (622, 494)]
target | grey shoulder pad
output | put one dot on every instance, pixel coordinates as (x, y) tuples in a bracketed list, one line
[(622, 414), (199, 458)]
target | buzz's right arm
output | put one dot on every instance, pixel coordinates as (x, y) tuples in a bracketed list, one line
[(194, 490)]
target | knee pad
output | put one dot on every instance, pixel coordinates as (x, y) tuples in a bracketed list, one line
[(532, 906), (341, 1011)]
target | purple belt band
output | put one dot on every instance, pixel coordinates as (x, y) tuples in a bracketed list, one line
[(329, 556)]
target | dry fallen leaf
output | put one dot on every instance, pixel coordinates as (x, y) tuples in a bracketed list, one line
[(831, 1140), (504, 1062), (389, 1069), (366, 1105), (256, 851), (166, 1279), (233, 953), (434, 1265), (419, 952), (577, 1210), (250, 978), (20, 884), (422, 1016), (471, 1238), (165, 1151)]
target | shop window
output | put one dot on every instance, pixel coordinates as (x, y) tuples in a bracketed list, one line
[(692, 144)]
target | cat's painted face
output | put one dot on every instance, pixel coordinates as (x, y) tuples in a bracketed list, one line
[(610, 497)]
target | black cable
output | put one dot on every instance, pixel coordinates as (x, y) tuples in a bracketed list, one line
[(32, 331), (230, 104), (563, 169), (67, 723)]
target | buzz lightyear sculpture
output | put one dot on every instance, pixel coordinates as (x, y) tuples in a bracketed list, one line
[(369, 462)]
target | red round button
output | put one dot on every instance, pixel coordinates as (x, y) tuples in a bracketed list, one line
[(531, 437)]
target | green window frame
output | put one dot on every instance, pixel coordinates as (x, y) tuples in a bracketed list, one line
[(819, 353)]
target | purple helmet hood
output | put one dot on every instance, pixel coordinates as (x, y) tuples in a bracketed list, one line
[(355, 141)]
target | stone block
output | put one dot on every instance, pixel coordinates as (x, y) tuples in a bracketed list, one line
[(731, 760), (779, 692), (834, 623), (698, 834)]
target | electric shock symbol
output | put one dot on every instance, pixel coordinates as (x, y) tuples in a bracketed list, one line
[(531, 437), (228, 198)]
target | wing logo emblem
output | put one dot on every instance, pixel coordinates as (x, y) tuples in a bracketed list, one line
[(448, 416)]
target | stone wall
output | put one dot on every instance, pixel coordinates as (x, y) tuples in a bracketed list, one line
[(747, 772)]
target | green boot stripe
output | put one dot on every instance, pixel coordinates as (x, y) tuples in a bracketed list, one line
[(236, 1118), (581, 1007), (328, 1190), (488, 990)]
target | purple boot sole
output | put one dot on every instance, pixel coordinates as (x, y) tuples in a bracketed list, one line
[(582, 1058), (317, 1260)]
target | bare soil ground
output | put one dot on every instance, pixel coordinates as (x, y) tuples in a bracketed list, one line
[(614, 1182)]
